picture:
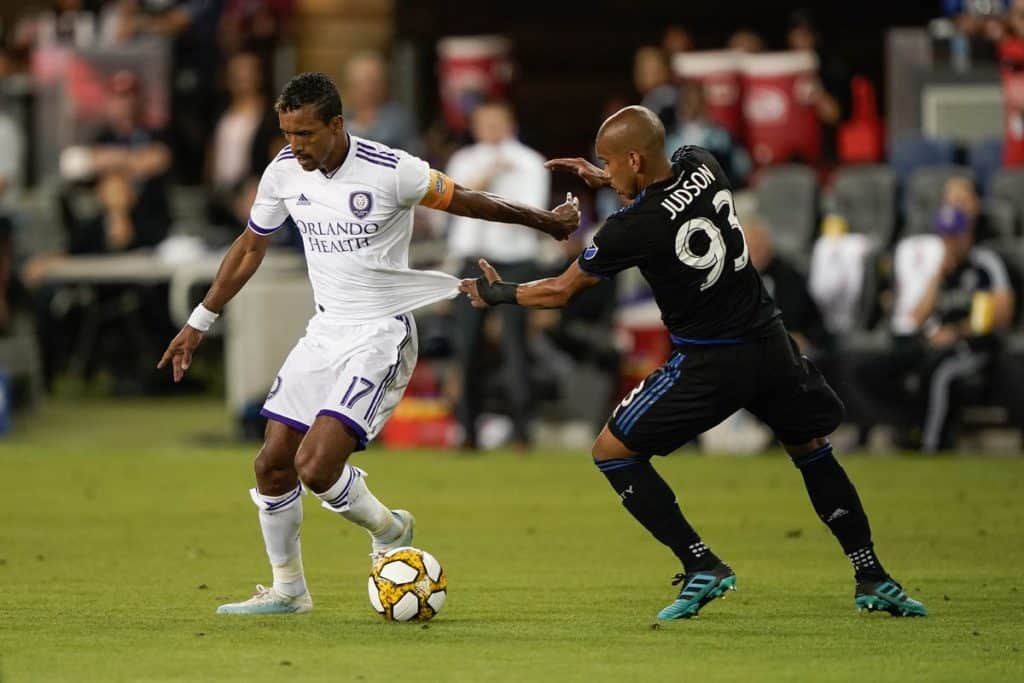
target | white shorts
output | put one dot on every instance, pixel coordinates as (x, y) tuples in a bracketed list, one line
[(353, 373)]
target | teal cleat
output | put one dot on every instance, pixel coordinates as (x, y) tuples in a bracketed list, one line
[(887, 596), (269, 601), (699, 588)]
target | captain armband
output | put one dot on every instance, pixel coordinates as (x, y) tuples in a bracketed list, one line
[(440, 189)]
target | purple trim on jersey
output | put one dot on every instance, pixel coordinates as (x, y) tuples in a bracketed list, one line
[(284, 157), (259, 230), (373, 151), (358, 431), (389, 379), (287, 149), (378, 162), (287, 421)]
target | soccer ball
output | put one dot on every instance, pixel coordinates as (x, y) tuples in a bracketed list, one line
[(407, 584)]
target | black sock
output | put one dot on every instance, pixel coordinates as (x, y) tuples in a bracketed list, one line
[(650, 500), (835, 500)]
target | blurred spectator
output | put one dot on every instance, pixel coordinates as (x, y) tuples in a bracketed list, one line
[(12, 141), (368, 111), (242, 137), (832, 94), (67, 23), (255, 26), (676, 39), (652, 79), (190, 29), (693, 126), (498, 163), (965, 302), (788, 286), (746, 40), (125, 146)]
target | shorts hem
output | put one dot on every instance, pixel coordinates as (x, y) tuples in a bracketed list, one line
[(352, 425), (623, 439), (287, 421)]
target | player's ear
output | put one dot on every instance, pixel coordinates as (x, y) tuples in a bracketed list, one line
[(337, 125), (636, 162)]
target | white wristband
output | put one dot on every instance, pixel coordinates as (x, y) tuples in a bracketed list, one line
[(202, 318)]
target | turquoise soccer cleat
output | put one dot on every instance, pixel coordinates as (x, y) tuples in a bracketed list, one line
[(887, 596), (699, 588), (269, 601)]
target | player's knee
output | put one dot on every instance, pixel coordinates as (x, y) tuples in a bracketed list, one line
[(317, 465), (275, 470), (608, 447)]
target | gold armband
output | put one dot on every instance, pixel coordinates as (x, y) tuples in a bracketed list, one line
[(440, 189)]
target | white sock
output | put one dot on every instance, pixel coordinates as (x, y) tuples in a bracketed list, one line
[(350, 498), (280, 519)]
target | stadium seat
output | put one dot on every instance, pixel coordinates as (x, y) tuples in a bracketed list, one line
[(1007, 184), (985, 157), (787, 198), (911, 153), (866, 197), (1002, 218), (924, 195)]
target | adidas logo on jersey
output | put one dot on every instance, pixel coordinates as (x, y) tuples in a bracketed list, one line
[(303, 201)]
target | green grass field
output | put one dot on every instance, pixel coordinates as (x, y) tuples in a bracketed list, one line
[(120, 533)]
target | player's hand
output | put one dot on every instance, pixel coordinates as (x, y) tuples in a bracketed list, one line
[(592, 175), (567, 216), (179, 351), (470, 289)]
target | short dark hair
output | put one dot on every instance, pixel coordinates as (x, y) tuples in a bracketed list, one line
[(313, 88)]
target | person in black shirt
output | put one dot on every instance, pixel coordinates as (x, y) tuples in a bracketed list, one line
[(731, 351)]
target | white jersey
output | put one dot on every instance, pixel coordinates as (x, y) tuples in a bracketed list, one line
[(356, 224)]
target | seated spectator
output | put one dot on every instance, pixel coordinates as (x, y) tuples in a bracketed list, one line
[(747, 41), (126, 146), (788, 286), (692, 126), (241, 140), (189, 30), (368, 111), (652, 79), (965, 302)]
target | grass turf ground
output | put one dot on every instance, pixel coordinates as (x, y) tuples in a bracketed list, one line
[(119, 535)]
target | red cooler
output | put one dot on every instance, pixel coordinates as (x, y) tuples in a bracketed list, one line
[(719, 73), (471, 69), (778, 107), (1011, 61)]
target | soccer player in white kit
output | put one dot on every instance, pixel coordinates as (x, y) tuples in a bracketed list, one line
[(352, 201)]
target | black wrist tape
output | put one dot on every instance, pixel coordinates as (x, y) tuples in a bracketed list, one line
[(496, 293)]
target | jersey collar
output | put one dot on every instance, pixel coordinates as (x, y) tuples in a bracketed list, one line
[(344, 160)]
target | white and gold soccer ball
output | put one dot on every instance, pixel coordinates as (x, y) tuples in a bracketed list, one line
[(407, 584)]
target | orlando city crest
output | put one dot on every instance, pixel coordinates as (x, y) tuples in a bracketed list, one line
[(361, 203)]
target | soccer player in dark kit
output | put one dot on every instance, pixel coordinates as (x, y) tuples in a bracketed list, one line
[(730, 351)]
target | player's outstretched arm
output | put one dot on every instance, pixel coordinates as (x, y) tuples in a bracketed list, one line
[(593, 176), (238, 265), (551, 292), (559, 223)]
